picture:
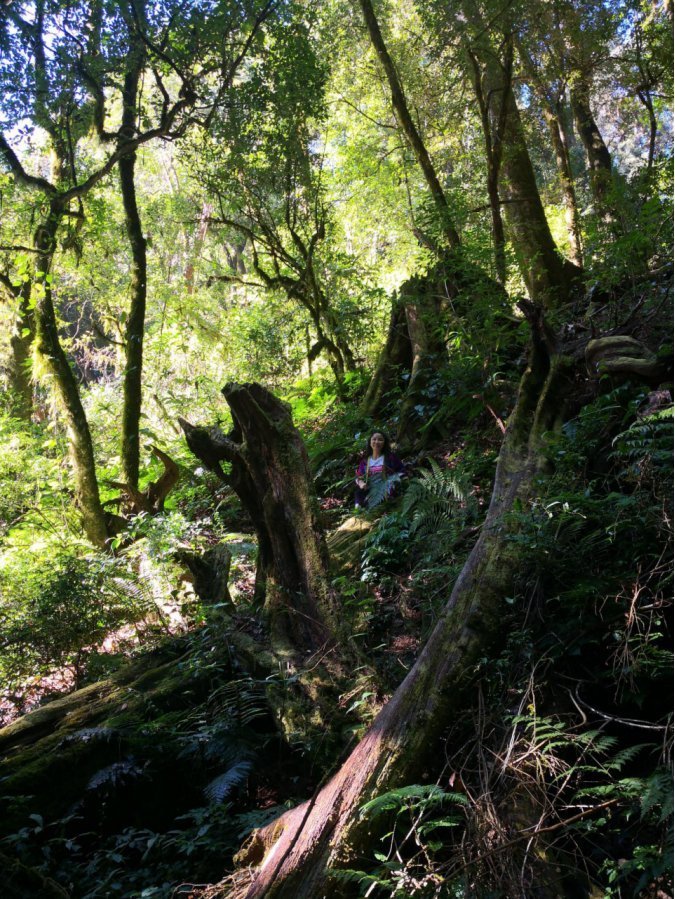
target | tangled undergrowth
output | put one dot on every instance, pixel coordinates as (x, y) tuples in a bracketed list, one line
[(557, 779)]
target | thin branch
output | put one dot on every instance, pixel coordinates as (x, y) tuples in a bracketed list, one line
[(365, 115), (18, 248)]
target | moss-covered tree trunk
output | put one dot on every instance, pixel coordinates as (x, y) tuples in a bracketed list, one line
[(269, 472), (547, 274), (296, 853), (19, 367), (395, 358), (65, 385), (423, 317)]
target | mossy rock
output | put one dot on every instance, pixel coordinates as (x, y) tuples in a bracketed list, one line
[(346, 543)]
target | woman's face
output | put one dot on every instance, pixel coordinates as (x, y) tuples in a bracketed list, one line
[(377, 442)]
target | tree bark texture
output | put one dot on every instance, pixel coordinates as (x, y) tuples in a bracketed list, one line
[(598, 156), (51, 352), (270, 474), (394, 359), (296, 853)]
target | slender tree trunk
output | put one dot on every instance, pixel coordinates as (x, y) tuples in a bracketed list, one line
[(493, 122), (51, 352), (556, 127), (296, 853), (408, 126), (199, 239), (135, 328), (645, 98)]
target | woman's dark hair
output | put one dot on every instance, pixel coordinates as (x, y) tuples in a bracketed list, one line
[(386, 449)]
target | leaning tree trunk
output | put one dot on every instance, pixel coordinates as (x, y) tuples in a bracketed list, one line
[(407, 125), (270, 474), (296, 852)]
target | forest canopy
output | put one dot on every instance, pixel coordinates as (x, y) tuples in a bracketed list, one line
[(238, 239)]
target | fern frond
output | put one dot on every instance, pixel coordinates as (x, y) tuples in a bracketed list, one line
[(426, 795), (220, 787), (115, 775)]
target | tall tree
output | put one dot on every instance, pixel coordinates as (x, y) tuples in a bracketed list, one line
[(545, 272), (552, 95), (136, 22), (74, 95)]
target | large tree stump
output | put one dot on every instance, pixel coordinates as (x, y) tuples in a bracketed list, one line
[(269, 471)]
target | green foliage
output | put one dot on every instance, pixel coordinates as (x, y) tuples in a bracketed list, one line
[(420, 816), (53, 615), (33, 482), (386, 549)]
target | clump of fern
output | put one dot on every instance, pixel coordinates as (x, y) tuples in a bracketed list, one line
[(439, 506)]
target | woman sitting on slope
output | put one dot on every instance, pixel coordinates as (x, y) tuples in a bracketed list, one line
[(380, 463)]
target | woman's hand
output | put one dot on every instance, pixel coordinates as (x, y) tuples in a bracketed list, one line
[(361, 483)]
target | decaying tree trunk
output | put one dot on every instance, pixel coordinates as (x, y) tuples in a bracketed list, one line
[(413, 352), (296, 853), (269, 472), (423, 316), (415, 348), (133, 501), (395, 357)]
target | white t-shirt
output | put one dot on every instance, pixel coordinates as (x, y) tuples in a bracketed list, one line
[(375, 466)]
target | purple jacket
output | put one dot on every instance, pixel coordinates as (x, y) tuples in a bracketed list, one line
[(392, 465)]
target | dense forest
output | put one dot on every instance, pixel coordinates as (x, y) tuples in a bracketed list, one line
[(251, 250)]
